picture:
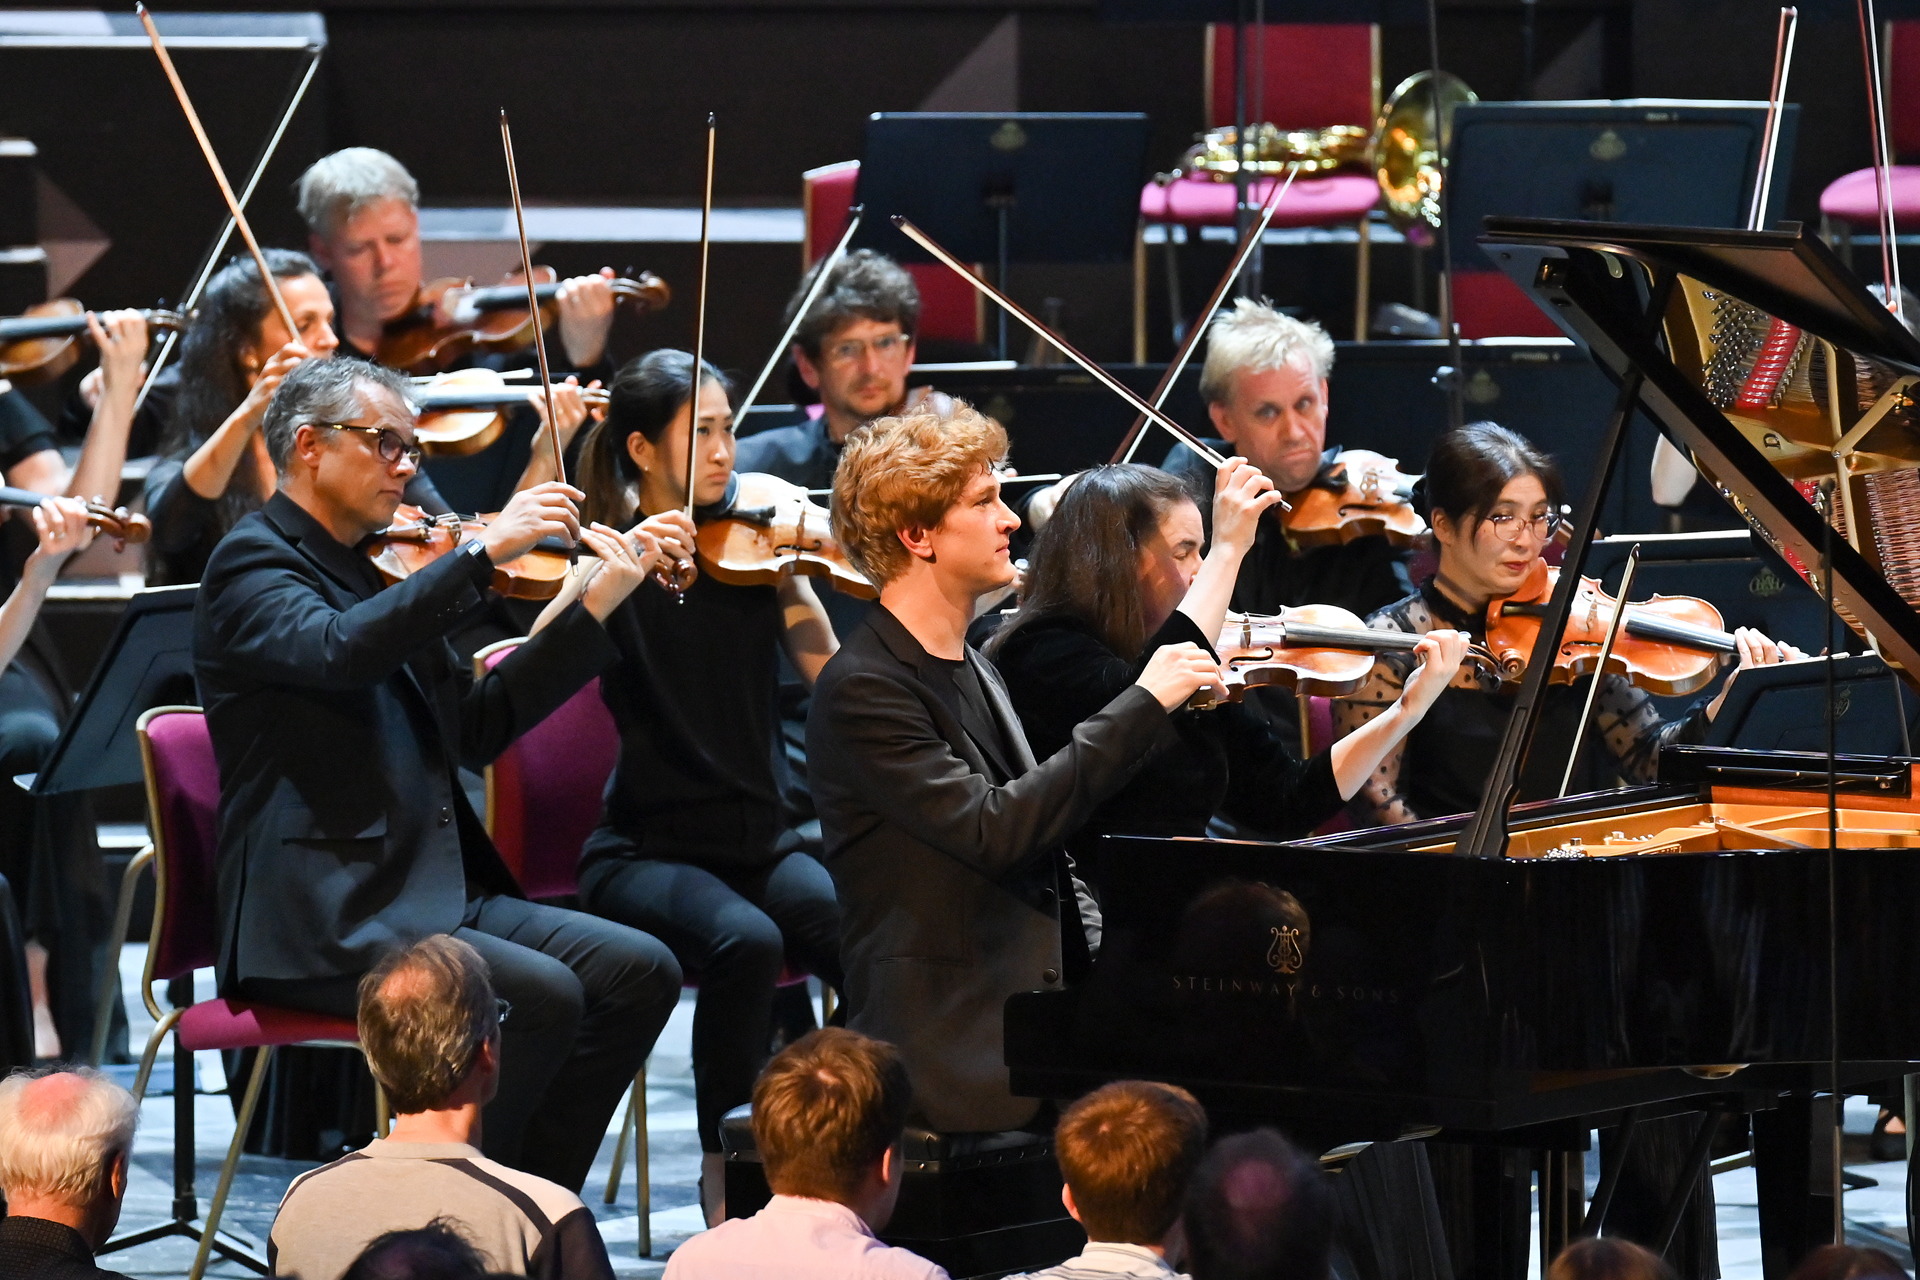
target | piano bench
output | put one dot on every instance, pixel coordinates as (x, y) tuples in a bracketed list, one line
[(977, 1204)]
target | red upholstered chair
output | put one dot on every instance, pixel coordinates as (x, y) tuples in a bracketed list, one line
[(183, 796), (1315, 75), (545, 793), (951, 310), (1851, 201)]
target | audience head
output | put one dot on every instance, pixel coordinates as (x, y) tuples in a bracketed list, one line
[(1839, 1262), (363, 224), (855, 344), (1265, 386), (904, 484), (65, 1139), (1258, 1209), (1492, 499), (436, 1251), (1127, 1151), (1119, 552), (645, 429), (429, 1024), (828, 1113), (1608, 1258)]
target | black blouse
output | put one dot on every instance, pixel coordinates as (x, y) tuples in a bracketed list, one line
[(1058, 672)]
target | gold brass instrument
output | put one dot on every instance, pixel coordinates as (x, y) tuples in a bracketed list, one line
[(1276, 151), (1406, 152)]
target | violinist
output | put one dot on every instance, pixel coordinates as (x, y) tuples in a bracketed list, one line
[(1116, 575), (361, 207), (695, 845), (1492, 499), (1265, 387), (853, 350), (340, 715), (215, 467)]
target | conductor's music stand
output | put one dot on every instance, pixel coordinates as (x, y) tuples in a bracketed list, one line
[(1013, 187), (148, 663)]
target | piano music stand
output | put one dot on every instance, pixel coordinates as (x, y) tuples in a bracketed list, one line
[(148, 663), (1013, 186), (1783, 708)]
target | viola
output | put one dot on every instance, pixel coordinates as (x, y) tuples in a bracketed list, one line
[(1315, 649), (117, 523), (451, 318), (44, 342), (464, 411), (768, 528), (1668, 645), (1361, 494), (415, 540)]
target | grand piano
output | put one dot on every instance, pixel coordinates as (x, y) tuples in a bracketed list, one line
[(1516, 977)]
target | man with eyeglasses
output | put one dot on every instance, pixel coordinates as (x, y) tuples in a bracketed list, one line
[(340, 715), (431, 1028)]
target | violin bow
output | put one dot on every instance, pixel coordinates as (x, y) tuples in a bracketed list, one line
[(192, 298), (533, 301), (806, 304), (1600, 668), (700, 324), (1125, 450), (219, 174), (1065, 348)]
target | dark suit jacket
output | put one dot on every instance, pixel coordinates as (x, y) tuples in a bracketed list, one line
[(947, 858), (36, 1249), (339, 714)]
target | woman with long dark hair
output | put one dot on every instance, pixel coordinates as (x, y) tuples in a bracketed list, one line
[(1491, 499), (695, 845), (1116, 574)]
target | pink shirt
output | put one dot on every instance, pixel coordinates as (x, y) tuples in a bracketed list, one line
[(796, 1239)]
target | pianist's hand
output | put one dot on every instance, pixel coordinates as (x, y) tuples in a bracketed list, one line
[(1177, 671), (543, 511), (1440, 654), (1756, 649)]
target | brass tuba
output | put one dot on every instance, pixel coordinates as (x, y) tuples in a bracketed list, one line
[(1406, 154)]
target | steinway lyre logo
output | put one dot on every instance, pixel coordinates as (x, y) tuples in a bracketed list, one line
[(1287, 953)]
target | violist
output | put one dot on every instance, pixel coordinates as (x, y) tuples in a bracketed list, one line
[(696, 845)]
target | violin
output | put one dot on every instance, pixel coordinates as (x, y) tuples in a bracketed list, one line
[(1361, 494), (1315, 649), (1668, 645), (450, 318), (118, 523), (766, 528), (465, 411), (44, 342), (415, 540)]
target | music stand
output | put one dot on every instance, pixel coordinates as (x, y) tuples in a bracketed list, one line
[(1783, 708), (148, 663), (1011, 187)]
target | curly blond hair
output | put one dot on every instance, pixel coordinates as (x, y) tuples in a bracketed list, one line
[(907, 472)]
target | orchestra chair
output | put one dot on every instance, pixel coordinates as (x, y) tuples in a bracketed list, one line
[(1316, 75), (565, 761), (1851, 200), (951, 310), (183, 798)]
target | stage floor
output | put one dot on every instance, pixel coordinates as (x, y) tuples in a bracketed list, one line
[(1875, 1215)]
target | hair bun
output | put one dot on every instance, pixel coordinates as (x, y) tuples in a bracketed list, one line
[(1417, 498)]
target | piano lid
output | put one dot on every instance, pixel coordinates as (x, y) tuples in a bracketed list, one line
[(1777, 370)]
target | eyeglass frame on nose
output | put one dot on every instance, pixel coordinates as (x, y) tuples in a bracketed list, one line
[(1544, 526), (850, 351), (411, 452)]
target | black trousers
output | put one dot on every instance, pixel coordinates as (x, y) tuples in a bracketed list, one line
[(589, 999), (732, 932)]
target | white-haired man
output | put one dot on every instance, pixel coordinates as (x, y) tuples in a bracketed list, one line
[(361, 207), (65, 1140), (1265, 386)]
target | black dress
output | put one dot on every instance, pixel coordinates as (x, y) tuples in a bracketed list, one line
[(1227, 759)]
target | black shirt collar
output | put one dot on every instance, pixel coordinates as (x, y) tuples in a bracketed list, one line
[(45, 1233), (1450, 613)]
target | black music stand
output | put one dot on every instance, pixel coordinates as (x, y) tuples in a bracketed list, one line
[(1011, 187), (1784, 708), (148, 663)]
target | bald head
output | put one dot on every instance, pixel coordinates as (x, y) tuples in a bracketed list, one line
[(63, 1134), (425, 1010)]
